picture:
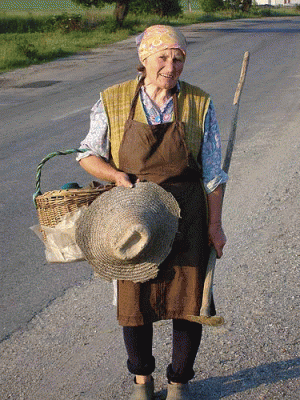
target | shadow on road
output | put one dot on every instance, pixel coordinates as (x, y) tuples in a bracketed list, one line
[(219, 387), (253, 30), (251, 26)]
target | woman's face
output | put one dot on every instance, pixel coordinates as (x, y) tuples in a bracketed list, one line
[(164, 68)]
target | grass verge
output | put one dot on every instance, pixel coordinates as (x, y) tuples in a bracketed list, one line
[(28, 38)]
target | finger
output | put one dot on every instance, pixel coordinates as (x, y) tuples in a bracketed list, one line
[(128, 184), (221, 247), (219, 253)]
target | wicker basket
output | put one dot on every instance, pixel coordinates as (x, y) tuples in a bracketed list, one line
[(53, 205)]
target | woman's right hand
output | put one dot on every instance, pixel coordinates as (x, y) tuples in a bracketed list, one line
[(122, 179)]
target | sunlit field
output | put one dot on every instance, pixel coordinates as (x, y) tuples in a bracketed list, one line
[(34, 32)]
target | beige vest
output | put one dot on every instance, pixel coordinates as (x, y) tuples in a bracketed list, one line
[(193, 104)]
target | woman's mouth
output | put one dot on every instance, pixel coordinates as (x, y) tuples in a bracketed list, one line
[(167, 76)]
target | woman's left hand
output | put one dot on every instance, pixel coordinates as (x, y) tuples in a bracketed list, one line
[(216, 237)]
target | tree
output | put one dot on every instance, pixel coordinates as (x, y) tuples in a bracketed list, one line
[(160, 7), (120, 12)]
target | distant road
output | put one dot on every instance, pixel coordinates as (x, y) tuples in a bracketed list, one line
[(46, 108)]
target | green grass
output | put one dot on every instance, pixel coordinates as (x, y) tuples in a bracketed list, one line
[(38, 5), (34, 37)]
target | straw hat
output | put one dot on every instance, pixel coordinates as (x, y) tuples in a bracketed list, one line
[(126, 233)]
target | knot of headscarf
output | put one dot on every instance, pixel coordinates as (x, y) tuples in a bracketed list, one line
[(157, 38)]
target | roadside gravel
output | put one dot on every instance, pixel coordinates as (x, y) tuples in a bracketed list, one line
[(73, 349)]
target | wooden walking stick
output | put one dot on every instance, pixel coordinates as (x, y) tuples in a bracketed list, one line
[(205, 318)]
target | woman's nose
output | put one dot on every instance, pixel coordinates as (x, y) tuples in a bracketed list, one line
[(170, 66)]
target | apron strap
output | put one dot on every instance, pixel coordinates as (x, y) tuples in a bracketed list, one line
[(175, 107), (135, 99)]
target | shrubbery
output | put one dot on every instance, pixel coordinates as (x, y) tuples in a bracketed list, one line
[(162, 8), (65, 22), (210, 6), (16, 24), (68, 23)]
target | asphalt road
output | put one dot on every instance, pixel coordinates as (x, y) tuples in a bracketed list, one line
[(46, 108)]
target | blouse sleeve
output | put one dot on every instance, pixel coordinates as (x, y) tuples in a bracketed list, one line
[(210, 155), (97, 139)]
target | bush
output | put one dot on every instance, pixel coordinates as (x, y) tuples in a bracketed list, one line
[(210, 6), (109, 25), (68, 23), (90, 3), (238, 5), (163, 8), (27, 49), (27, 24)]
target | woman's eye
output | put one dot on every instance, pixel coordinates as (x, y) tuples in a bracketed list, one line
[(174, 60)]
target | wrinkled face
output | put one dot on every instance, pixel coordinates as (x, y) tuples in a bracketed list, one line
[(164, 68)]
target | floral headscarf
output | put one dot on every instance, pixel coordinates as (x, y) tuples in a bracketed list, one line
[(157, 38)]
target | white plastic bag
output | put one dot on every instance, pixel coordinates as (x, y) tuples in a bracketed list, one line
[(60, 243)]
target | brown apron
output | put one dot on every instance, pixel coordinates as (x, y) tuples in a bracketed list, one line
[(158, 153)]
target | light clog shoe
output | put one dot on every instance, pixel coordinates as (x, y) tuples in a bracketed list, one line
[(143, 391), (179, 391)]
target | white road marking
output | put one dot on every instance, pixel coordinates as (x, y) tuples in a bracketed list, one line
[(70, 113)]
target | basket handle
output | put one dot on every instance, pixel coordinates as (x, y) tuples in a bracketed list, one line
[(41, 164)]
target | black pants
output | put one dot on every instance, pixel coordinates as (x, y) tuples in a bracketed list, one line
[(186, 341)]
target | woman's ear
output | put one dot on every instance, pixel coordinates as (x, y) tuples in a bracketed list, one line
[(144, 62)]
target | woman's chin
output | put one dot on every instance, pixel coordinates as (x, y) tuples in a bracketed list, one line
[(167, 84)]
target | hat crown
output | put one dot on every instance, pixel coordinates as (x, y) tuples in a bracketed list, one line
[(126, 233), (131, 242)]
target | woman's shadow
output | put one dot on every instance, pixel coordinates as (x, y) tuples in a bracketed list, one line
[(220, 387)]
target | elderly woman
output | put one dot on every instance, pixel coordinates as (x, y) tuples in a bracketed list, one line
[(160, 129)]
